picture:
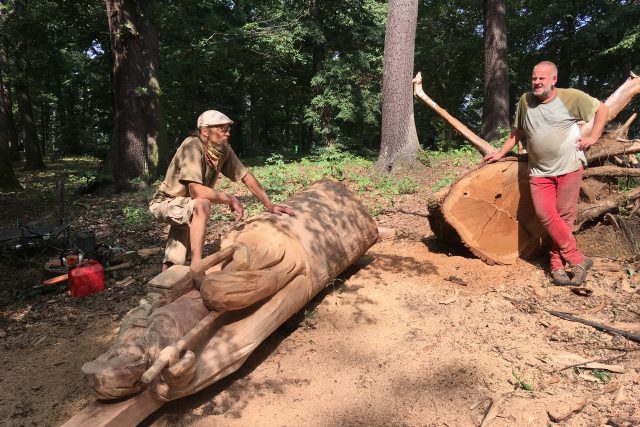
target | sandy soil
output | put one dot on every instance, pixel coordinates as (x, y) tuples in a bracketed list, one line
[(409, 335)]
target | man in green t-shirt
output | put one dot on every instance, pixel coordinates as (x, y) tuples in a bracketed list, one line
[(547, 120), (185, 196)]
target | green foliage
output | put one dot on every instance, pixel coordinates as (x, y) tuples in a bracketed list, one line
[(521, 384), (310, 319), (602, 374), (137, 219), (445, 181)]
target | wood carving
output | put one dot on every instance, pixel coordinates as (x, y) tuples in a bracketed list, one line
[(489, 208), (269, 267)]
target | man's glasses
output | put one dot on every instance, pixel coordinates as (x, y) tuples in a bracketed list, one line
[(225, 129)]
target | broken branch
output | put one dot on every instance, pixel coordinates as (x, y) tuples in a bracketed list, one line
[(599, 326)]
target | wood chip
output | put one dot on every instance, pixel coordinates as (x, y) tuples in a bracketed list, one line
[(150, 251), (617, 369), (124, 282), (456, 280), (492, 412), (588, 377), (620, 396), (562, 415), (119, 266), (581, 291), (453, 299), (611, 388), (385, 233)]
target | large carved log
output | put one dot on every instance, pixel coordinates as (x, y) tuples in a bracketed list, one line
[(473, 208), (271, 266)]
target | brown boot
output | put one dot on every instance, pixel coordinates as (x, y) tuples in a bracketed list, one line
[(580, 271), (560, 277)]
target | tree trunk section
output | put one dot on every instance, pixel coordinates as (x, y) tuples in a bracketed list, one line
[(12, 134), (399, 143), (29, 136), (134, 140), (8, 179), (495, 109), (490, 209)]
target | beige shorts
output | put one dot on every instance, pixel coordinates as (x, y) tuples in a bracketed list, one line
[(176, 211)]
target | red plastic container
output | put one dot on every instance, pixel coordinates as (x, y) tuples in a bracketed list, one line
[(85, 279)]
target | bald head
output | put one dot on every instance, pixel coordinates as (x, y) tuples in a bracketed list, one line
[(543, 80), (548, 65)]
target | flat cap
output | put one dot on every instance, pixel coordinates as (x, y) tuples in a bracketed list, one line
[(213, 118)]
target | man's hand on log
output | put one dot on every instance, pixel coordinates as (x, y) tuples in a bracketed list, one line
[(492, 157), (584, 142), (237, 208), (280, 209)]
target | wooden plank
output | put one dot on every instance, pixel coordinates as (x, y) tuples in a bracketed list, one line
[(125, 413)]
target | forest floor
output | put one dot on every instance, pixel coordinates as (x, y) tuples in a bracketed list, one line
[(410, 335)]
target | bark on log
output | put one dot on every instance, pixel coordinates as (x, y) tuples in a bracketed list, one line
[(611, 171), (277, 263), (468, 220)]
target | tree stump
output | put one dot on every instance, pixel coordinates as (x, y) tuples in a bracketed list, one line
[(486, 208)]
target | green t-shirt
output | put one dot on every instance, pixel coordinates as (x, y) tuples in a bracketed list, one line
[(551, 130)]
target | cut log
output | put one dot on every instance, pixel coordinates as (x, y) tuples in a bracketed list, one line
[(490, 208)]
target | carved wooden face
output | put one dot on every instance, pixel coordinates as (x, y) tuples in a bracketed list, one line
[(116, 373)]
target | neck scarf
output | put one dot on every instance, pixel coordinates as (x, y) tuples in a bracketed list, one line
[(212, 153)]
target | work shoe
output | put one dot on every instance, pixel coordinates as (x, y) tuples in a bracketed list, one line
[(560, 277), (580, 271)]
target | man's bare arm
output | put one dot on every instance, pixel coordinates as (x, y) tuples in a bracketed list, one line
[(514, 137), (256, 188), (599, 122), (199, 191)]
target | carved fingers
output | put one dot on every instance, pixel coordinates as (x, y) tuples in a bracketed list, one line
[(176, 376)]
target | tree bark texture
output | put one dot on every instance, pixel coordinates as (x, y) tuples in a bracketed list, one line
[(137, 115), (12, 134), (399, 143), (495, 109), (8, 179), (34, 159)]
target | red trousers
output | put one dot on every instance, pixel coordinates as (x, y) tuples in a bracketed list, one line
[(555, 199)]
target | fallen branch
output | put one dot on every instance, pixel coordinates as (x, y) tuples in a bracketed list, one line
[(588, 212), (599, 326), (483, 146), (611, 171), (608, 148)]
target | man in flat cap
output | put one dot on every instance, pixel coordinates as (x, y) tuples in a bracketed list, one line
[(185, 196)]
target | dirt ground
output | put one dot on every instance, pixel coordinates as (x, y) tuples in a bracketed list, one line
[(410, 335)]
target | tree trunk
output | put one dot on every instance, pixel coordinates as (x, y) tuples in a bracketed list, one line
[(8, 179), (495, 109), (490, 208), (134, 141), (29, 136), (12, 135), (399, 143)]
